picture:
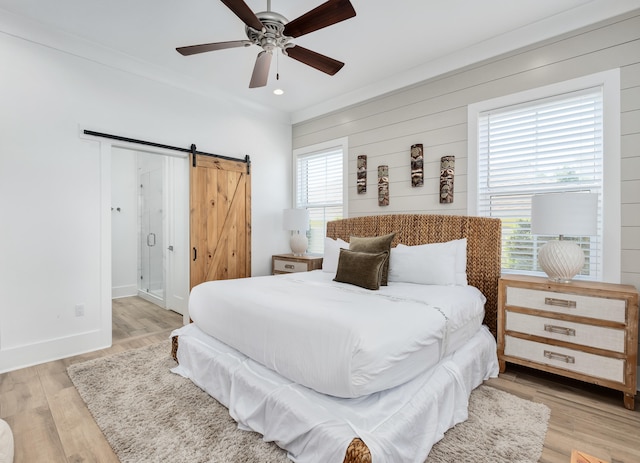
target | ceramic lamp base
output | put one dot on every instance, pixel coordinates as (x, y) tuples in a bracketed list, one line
[(561, 260), (299, 244)]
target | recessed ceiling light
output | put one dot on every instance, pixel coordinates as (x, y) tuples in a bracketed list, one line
[(278, 91)]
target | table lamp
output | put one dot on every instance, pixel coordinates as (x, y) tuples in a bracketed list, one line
[(563, 214), (296, 221)]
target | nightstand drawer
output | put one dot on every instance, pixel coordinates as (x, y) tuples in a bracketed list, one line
[(593, 365), (574, 304), (578, 333), (289, 266)]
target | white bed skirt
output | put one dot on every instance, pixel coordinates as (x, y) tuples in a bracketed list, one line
[(398, 424)]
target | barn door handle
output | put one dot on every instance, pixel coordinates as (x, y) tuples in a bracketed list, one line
[(151, 239), (195, 254)]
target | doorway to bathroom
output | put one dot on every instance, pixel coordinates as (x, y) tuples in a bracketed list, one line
[(149, 227)]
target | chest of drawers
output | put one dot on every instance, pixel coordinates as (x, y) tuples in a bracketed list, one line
[(288, 263), (583, 330)]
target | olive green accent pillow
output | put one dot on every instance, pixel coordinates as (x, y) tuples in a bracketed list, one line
[(374, 244), (362, 269)]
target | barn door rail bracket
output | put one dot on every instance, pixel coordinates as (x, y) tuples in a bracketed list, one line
[(191, 149)]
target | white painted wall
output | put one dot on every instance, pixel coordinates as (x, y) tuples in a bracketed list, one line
[(124, 224), (53, 201)]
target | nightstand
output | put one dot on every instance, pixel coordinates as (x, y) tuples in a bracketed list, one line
[(584, 330), (288, 263)]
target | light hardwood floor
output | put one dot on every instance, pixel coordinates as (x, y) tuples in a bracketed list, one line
[(51, 423)]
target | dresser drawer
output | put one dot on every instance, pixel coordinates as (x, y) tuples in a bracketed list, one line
[(578, 333), (574, 304), (280, 265), (593, 365)]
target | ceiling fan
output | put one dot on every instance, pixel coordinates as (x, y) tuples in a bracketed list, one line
[(270, 31)]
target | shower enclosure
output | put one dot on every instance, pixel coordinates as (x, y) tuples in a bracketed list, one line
[(151, 281)]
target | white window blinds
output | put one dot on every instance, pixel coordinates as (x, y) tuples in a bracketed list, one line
[(319, 189), (542, 146)]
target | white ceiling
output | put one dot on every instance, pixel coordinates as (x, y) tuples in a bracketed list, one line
[(386, 46)]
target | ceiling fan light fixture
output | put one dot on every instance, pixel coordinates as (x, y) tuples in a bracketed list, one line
[(272, 31)]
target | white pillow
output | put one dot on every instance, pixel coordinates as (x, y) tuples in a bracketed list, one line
[(332, 254), (461, 261), (435, 263)]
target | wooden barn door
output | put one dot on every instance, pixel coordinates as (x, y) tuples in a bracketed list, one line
[(220, 208)]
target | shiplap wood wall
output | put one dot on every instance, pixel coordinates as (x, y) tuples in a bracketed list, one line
[(434, 113)]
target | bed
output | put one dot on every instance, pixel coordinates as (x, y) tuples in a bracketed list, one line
[(351, 403)]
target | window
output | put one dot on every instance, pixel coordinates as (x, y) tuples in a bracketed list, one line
[(553, 141), (319, 187)]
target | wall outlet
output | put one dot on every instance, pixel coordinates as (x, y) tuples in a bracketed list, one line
[(80, 310)]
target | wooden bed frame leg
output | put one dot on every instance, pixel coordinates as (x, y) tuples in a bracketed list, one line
[(174, 348), (357, 452)]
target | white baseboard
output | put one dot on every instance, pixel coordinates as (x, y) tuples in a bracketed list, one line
[(27, 355), (152, 298), (123, 291)]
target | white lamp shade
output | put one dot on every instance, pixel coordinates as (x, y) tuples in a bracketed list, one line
[(570, 214), (295, 220)]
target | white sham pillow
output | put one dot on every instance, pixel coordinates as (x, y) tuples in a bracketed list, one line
[(332, 254), (434, 263)]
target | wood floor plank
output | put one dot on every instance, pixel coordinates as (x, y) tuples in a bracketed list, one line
[(36, 437), (49, 420), (583, 416), (81, 438), (20, 391)]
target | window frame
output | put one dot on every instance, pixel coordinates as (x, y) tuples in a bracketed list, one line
[(341, 143), (611, 196)]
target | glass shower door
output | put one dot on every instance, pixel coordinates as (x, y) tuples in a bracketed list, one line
[(150, 239)]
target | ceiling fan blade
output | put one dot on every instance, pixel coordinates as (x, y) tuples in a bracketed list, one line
[(315, 60), (205, 47), (242, 11), (327, 14), (261, 70)]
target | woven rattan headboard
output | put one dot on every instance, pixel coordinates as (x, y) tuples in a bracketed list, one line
[(483, 244)]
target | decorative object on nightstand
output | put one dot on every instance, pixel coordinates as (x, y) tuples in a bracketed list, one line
[(563, 214), (288, 263), (296, 221), (585, 330)]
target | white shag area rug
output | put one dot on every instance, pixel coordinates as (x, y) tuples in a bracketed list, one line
[(149, 414)]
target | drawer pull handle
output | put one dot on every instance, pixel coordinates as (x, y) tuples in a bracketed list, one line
[(560, 302), (289, 266), (560, 330), (561, 357)]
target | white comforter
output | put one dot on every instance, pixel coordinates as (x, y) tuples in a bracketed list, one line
[(338, 339)]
